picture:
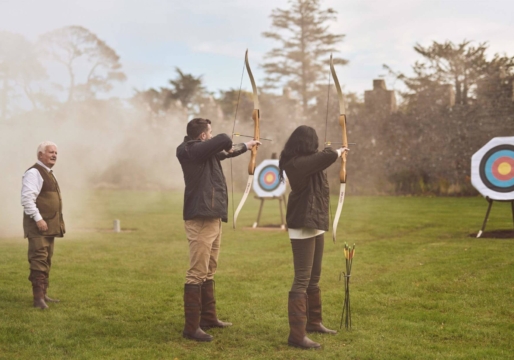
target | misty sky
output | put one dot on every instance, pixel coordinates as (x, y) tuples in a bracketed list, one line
[(209, 38)]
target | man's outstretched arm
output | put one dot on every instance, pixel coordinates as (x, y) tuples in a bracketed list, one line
[(237, 150), (208, 148)]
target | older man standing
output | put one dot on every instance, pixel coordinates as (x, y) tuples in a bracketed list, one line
[(42, 219)]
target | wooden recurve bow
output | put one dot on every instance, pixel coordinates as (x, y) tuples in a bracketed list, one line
[(256, 136), (342, 172)]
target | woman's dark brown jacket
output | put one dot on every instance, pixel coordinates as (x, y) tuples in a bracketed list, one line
[(309, 198)]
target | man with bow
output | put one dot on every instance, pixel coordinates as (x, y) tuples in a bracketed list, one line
[(205, 208)]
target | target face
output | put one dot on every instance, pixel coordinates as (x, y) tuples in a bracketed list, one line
[(492, 169), (269, 178), (266, 181)]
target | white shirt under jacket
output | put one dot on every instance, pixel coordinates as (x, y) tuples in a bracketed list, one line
[(31, 186), (306, 233)]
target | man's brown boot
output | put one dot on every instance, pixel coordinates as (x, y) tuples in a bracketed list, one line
[(192, 308), (297, 311), (314, 314), (48, 299), (208, 318), (37, 278)]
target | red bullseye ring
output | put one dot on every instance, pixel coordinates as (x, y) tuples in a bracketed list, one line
[(269, 178), (503, 168)]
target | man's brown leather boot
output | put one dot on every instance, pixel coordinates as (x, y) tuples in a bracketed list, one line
[(37, 278), (48, 299), (192, 308), (208, 318)]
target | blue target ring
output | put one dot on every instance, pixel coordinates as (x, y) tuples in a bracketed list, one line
[(269, 178), (497, 168)]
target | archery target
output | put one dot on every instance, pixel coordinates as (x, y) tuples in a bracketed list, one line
[(266, 182), (492, 169)]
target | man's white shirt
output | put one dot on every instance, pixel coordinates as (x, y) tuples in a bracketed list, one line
[(31, 186)]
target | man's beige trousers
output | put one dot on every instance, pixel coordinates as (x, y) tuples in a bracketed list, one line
[(204, 236)]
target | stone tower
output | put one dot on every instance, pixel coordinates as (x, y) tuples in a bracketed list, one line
[(380, 99)]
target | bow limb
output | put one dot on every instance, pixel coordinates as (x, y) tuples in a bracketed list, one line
[(256, 136), (342, 172)]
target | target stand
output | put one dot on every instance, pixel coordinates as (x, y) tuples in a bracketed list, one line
[(281, 200), (267, 186), (492, 173), (490, 201)]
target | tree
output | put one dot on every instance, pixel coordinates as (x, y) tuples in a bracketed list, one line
[(422, 88), (496, 85), (233, 99), (19, 69), (305, 43), (460, 64), (463, 66), (152, 99), (186, 89), (83, 53)]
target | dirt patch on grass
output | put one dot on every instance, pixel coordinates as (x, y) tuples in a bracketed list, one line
[(104, 230), (496, 234), (268, 227)]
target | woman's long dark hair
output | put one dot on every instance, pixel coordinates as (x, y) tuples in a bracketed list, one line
[(303, 141)]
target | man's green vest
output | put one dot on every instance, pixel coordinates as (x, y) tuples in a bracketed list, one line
[(49, 204)]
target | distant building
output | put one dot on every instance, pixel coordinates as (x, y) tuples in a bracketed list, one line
[(435, 96), (380, 99)]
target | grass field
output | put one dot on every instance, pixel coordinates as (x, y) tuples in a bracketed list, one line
[(422, 288)]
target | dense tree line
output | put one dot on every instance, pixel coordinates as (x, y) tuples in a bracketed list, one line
[(458, 97)]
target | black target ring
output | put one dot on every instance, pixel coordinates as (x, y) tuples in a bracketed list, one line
[(488, 168)]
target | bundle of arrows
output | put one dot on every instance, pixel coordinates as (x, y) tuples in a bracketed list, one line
[(349, 252)]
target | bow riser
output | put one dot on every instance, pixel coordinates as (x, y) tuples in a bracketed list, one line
[(257, 135), (342, 172)]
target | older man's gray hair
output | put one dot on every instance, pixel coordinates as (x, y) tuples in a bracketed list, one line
[(42, 147)]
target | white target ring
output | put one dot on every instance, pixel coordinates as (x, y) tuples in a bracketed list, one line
[(492, 169)]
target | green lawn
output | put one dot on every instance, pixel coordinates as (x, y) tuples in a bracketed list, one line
[(422, 288)]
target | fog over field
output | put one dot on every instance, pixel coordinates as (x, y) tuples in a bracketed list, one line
[(93, 153), (113, 84)]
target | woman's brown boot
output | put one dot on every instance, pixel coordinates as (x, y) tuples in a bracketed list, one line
[(314, 314), (297, 311)]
